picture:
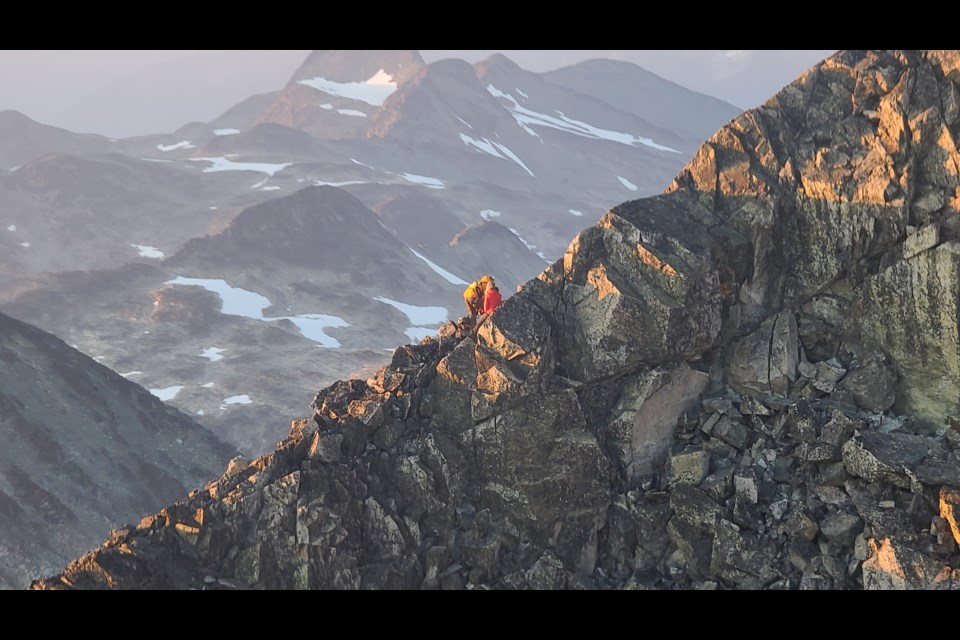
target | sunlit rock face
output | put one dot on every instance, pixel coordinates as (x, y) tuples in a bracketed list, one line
[(846, 182), (744, 383)]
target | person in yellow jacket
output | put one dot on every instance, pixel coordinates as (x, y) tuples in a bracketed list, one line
[(473, 297)]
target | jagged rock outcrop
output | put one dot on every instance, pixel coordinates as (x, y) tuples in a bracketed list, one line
[(383, 489), (748, 382)]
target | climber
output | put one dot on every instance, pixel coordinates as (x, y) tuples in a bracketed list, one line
[(491, 300), (473, 297)]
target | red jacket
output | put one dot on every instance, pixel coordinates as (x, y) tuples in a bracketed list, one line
[(491, 300)]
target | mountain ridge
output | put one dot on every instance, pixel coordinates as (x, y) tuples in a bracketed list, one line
[(745, 382), (643, 81)]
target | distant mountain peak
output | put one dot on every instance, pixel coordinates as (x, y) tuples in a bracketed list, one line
[(13, 116), (308, 227), (500, 61), (334, 91), (360, 66)]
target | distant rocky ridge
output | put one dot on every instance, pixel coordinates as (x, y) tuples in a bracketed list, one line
[(747, 382), (26, 140), (84, 450), (635, 90), (388, 120)]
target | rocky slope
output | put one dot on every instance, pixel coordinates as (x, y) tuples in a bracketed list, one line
[(748, 382), (84, 451)]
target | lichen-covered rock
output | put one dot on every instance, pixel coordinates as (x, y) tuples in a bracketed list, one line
[(766, 361), (628, 297), (841, 528), (539, 469), (872, 385), (690, 467), (744, 559), (891, 457)]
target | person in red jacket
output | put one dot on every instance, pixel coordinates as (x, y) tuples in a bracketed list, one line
[(491, 300)]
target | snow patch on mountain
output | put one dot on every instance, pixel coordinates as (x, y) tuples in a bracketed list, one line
[(240, 302), (212, 354), (527, 118), (443, 273), (185, 144), (223, 164), (426, 320), (373, 91), (495, 149), (146, 251), (168, 393)]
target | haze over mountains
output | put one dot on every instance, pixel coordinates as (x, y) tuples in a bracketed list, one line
[(142, 92), (343, 214)]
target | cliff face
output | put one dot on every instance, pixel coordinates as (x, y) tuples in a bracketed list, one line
[(846, 186), (746, 382)]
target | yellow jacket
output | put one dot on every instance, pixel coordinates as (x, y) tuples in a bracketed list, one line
[(474, 293)]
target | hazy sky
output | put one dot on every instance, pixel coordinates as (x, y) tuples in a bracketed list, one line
[(123, 93)]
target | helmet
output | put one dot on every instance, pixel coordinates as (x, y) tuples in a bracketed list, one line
[(487, 280)]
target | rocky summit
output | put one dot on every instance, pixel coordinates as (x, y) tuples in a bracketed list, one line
[(747, 382)]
